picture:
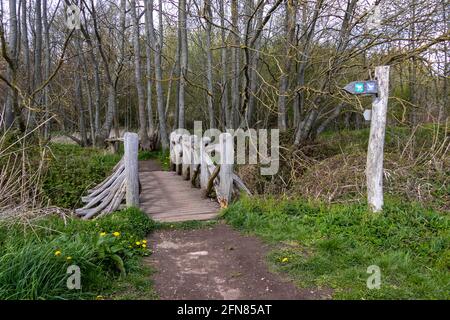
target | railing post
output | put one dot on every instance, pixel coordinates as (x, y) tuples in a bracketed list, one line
[(131, 144), (204, 174), (172, 165), (186, 159), (194, 159), (226, 168)]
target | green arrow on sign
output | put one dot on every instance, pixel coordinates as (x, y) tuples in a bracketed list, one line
[(359, 87), (362, 87)]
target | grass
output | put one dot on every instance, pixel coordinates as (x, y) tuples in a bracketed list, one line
[(135, 286), (72, 170), (333, 245), (34, 257), (187, 225)]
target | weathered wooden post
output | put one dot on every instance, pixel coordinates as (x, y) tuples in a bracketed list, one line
[(194, 158), (204, 174), (172, 158), (374, 168), (131, 144), (226, 168), (186, 158)]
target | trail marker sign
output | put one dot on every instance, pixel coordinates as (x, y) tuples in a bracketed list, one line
[(362, 87)]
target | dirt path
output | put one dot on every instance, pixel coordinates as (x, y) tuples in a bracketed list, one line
[(216, 263)]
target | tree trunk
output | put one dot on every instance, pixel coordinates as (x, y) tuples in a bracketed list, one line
[(235, 63), (177, 75), (143, 135), (157, 47), (223, 62), (209, 75), (336, 112), (79, 96), (150, 75), (46, 67), (38, 45), (253, 65), (183, 61), (291, 11), (12, 96), (299, 99), (26, 45), (105, 130), (413, 68), (304, 128)]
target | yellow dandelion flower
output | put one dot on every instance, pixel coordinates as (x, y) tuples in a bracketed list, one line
[(144, 245), (69, 258), (99, 298), (57, 253), (116, 234), (102, 234), (144, 241), (138, 243), (285, 260)]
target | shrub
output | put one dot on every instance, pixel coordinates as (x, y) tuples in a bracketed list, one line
[(34, 258), (73, 170)]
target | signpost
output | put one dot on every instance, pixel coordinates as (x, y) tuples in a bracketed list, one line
[(362, 87), (379, 89)]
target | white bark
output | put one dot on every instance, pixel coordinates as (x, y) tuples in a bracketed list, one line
[(157, 47), (138, 78), (183, 62), (374, 170), (209, 65), (131, 142), (226, 168)]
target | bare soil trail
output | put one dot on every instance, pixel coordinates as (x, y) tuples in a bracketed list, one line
[(217, 262)]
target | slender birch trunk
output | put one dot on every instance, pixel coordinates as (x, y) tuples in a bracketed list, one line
[(46, 67), (291, 14), (183, 62), (157, 47), (223, 60), (209, 75), (143, 135)]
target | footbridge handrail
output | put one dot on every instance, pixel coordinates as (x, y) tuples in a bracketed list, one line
[(122, 184), (208, 165)]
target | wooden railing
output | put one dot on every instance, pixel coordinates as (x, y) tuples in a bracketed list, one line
[(190, 156), (122, 184), (194, 158)]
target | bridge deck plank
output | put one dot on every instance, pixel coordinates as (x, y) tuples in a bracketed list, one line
[(167, 197)]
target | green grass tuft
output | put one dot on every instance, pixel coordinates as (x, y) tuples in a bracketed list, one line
[(34, 258), (333, 245), (73, 170)]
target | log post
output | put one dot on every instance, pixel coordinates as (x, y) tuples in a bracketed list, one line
[(186, 158), (204, 174), (226, 168), (172, 165), (131, 142), (178, 150), (194, 156), (374, 168)]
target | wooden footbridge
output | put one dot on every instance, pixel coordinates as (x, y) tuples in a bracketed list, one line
[(197, 186)]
